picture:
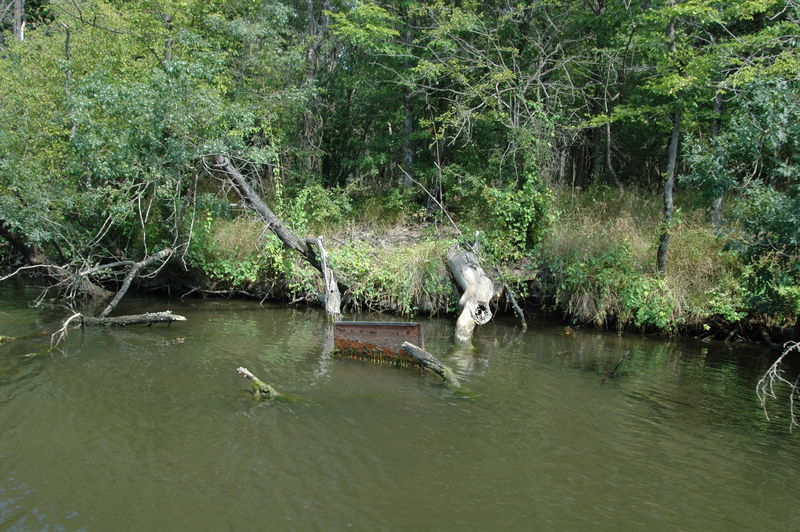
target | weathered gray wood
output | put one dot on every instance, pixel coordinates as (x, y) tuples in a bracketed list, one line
[(147, 318), (477, 292), (332, 298), (428, 361), (126, 283), (18, 21), (319, 260)]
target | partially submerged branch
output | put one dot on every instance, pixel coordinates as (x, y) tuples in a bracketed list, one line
[(148, 318), (774, 377), (261, 389), (79, 320), (132, 272), (428, 361)]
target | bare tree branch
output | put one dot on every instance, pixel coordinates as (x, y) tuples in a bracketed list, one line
[(774, 376), (126, 283)]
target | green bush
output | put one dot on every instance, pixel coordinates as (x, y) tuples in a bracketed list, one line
[(515, 218), (409, 279)]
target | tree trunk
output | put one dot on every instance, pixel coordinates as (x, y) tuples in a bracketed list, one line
[(312, 120), (669, 185), (167, 21), (612, 173), (598, 154), (716, 204), (332, 297), (408, 117), (672, 160), (478, 292), (18, 24)]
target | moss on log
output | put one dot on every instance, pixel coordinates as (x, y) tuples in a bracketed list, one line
[(261, 390), (428, 361)]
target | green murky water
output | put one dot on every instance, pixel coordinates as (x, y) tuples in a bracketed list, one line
[(152, 429)]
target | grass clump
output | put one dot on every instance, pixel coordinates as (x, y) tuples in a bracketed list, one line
[(409, 279), (383, 267), (601, 260), (239, 254)]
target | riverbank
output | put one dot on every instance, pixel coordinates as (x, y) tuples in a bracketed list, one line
[(590, 263), (594, 266)]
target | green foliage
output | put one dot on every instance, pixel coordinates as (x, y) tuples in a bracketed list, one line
[(316, 209), (409, 280), (609, 287), (519, 218), (112, 139), (387, 209), (757, 155), (325, 105), (366, 25), (598, 259), (515, 219)]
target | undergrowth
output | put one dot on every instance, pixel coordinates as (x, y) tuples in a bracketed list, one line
[(601, 261), (594, 261)]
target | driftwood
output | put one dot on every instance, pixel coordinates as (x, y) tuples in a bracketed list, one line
[(147, 318), (306, 247), (80, 320), (428, 361), (477, 292), (132, 272), (474, 249), (261, 389)]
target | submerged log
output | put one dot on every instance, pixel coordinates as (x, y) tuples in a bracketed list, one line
[(428, 361), (148, 318), (261, 389), (477, 292)]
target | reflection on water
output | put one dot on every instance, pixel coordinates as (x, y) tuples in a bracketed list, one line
[(151, 428)]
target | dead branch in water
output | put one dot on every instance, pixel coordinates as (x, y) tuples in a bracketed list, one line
[(428, 361), (261, 389), (148, 318), (774, 377), (164, 254)]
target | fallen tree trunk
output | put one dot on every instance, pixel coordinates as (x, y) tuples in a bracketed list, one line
[(477, 292), (148, 318), (428, 361), (332, 298), (57, 337)]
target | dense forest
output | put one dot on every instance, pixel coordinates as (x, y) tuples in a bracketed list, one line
[(627, 164)]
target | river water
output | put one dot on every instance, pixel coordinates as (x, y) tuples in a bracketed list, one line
[(150, 428)]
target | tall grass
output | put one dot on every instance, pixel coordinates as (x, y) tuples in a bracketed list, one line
[(601, 259)]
